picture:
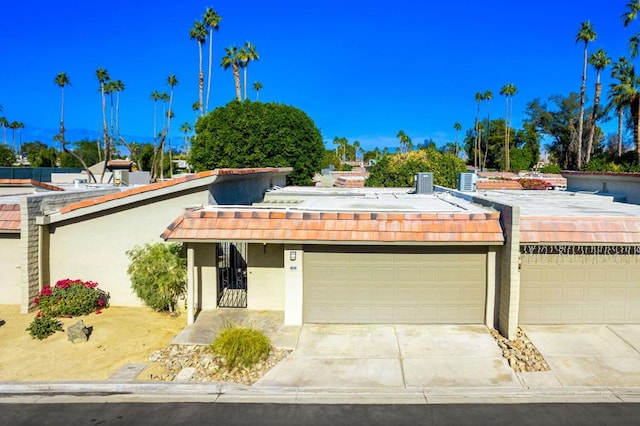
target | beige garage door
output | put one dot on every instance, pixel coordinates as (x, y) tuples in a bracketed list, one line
[(579, 290), (394, 285)]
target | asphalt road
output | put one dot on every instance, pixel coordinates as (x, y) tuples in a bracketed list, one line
[(318, 414)]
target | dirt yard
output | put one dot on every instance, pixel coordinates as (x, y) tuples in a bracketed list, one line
[(120, 336)]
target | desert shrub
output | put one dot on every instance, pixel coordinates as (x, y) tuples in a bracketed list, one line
[(70, 298), (241, 346), (43, 326), (531, 183), (158, 274)]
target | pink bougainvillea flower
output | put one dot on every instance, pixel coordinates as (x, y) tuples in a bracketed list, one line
[(39, 314), (98, 311)]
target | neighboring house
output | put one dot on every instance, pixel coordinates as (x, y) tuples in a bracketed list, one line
[(625, 186), (85, 232), (373, 255)]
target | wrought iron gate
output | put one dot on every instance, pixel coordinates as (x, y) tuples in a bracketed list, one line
[(232, 275)]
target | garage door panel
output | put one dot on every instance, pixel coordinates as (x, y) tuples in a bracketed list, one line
[(423, 286), (579, 290)]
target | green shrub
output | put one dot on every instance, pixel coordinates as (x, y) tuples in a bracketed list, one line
[(158, 274), (43, 326), (70, 298), (241, 346), (550, 168)]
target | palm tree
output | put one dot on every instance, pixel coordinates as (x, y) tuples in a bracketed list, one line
[(155, 97), (211, 21), (457, 126), (103, 78), (478, 138), (247, 54), (186, 129), (623, 94), (585, 35), (232, 58), (172, 81), (20, 126), (118, 86), (257, 86), (356, 148), (62, 80), (13, 126), (508, 90), (199, 33), (599, 60), (404, 140), (4, 123), (487, 97)]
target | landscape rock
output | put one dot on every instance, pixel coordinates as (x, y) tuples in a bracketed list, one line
[(521, 353), (78, 332)]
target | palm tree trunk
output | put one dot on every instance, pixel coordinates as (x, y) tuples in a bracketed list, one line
[(105, 134), (506, 133), (620, 120), (583, 90), (594, 117), (635, 114), (236, 80), (244, 70), (201, 82), (209, 73)]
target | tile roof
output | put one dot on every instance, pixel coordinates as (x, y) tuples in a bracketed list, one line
[(496, 184), (335, 226), (29, 182), (584, 230), (349, 182), (9, 217), (166, 184)]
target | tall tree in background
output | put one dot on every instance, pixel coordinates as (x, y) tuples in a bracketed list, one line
[(62, 80), (155, 97), (257, 86), (487, 97), (4, 123), (14, 126), (599, 60), (478, 139), (621, 93), (585, 35), (247, 54), (186, 129), (404, 141), (457, 126), (631, 82), (199, 33), (118, 86), (211, 22), (102, 75), (508, 90), (232, 58), (172, 81)]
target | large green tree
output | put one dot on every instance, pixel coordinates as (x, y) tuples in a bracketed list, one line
[(585, 35), (7, 156), (557, 121), (256, 134), (399, 170)]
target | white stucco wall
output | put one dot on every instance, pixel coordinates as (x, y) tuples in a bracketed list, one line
[(94, 248), (627, 185), (10, 284)]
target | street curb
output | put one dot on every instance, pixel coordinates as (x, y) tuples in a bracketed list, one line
[(50, 392)]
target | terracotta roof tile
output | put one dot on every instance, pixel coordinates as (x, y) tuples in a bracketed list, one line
[(9, 217), (230, 223), (496, 184), (169, 183), (623, 230), (29, 182)]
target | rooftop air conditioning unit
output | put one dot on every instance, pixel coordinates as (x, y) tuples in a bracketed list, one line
[(121, 177), (424, 183), (466, 182)]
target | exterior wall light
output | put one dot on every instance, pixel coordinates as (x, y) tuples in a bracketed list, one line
[(292, 256)]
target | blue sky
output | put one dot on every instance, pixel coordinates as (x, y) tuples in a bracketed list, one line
[(360, 69)]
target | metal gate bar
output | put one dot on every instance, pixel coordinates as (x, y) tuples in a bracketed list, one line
[(232, 275)]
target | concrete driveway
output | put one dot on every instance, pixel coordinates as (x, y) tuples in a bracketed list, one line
[(587, 355), (392, 357)]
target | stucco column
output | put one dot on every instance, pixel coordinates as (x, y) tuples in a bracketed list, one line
[(190, 285), (490, 312), (293, 284), (509, 300)]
